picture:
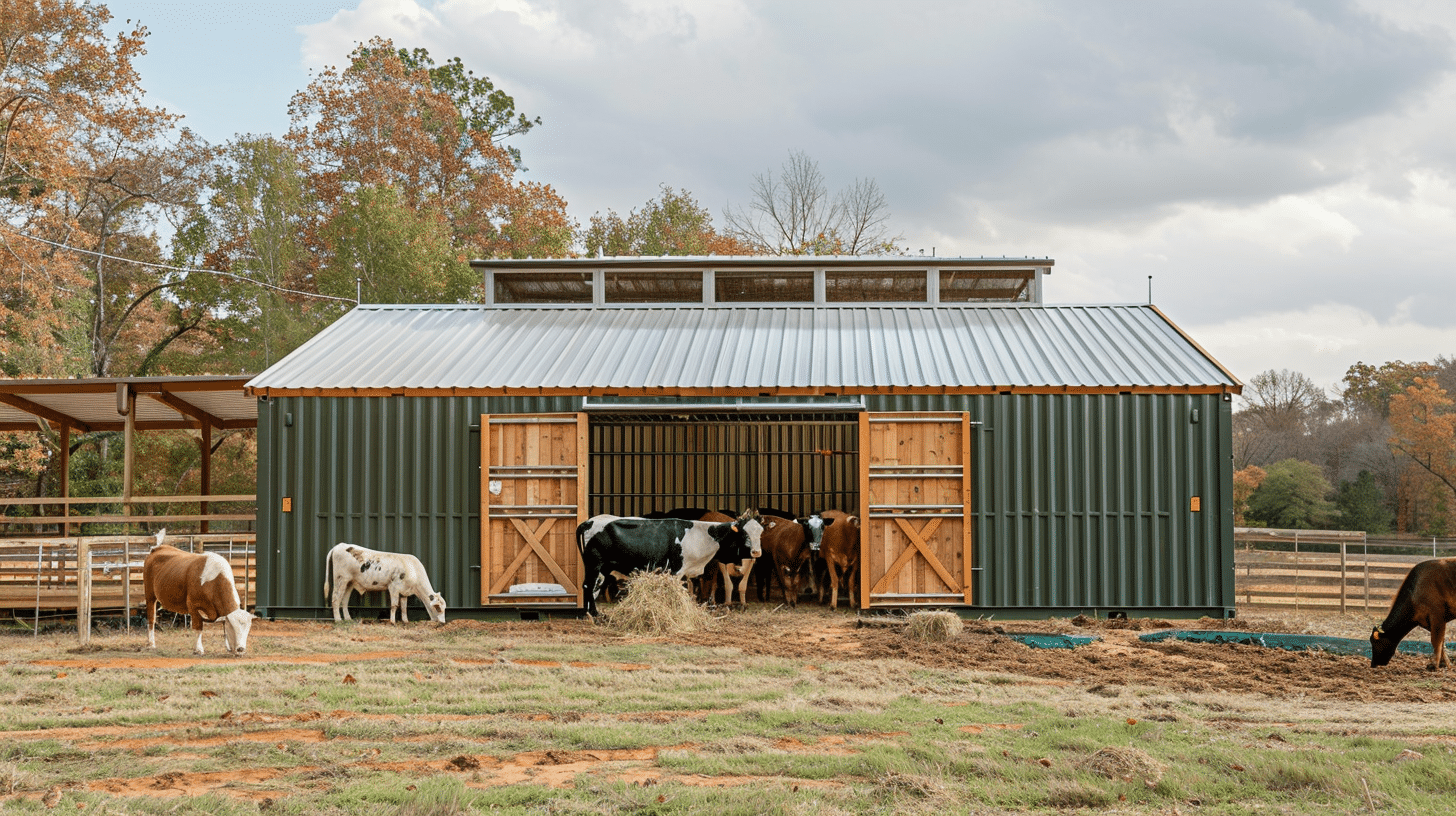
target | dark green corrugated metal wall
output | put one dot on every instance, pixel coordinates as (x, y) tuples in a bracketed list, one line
[(390, 473), (1081, 502)]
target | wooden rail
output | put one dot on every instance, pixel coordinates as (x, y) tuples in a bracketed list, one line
[(65, 521), (85, 574), (1320, 570)]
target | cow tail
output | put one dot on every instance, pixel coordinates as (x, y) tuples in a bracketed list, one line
[(328, 574)]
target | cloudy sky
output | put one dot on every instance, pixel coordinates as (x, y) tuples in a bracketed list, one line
[(1282, 170)]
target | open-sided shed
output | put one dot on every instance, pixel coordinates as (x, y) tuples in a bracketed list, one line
[(1003, 455)]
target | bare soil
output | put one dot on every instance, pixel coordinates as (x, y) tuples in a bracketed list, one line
[(1117, 660)]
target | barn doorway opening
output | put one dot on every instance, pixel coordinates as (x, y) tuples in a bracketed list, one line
[(797, 462)]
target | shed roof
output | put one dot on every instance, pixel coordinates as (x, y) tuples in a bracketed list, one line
[(379, 350), (94, 404)]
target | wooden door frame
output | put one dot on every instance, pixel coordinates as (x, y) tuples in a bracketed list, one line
[(915, 537), (531, 537)]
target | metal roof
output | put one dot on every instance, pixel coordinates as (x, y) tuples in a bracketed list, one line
[(164, 403), (469, 349), (382, 350)]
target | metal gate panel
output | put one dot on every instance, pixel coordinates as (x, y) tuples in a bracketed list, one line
[(915, 509), (532, 497)]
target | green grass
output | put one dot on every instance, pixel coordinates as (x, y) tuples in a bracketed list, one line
[(850, 737)]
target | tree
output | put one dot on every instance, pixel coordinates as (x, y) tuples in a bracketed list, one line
[(1246, 481), (1362, 505), (400, 256), (1292, 496), (482, 106), (381, 124), (253, 226), (68, 95), (1281, 412), (672, 224), (1370, 388), (793, 214), (1423, 429)]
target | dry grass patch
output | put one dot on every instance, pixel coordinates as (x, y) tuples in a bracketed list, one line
[(657, 603), (933, 627), (1125, 765)]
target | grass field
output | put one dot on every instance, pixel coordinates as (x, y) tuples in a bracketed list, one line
[(793, 712)]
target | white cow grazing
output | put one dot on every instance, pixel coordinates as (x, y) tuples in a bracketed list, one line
[(356, 568)]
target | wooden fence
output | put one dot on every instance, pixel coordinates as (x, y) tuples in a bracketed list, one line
[(82, 575), (1323, 570), (37, 517)]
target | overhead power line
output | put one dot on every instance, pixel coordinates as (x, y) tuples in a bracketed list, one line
[(183, 269)]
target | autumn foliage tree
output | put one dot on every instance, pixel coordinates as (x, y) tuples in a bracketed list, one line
[(381, 124), (1423, 429)]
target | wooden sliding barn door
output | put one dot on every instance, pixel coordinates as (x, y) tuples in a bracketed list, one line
[(915, 509), (532, 496)]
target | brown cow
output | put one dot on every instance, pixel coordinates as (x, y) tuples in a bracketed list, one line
[(196, 584), (788, 545), (840, 551), (1427, 598)]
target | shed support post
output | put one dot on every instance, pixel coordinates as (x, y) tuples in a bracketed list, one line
[(66, 479), (205, 441), (128, 399)]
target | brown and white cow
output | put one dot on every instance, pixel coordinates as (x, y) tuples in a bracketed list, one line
[(351, 567), (840, 551), (196, 584)]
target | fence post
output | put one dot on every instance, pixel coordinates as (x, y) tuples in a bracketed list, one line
[(1344, 578), (1365, 542), (126, 581), (1296, 570), (83, 589)]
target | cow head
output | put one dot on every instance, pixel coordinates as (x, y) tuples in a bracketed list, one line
[(1382, 647), (435, 605), (235, 628), (814, 530), (750, 523)]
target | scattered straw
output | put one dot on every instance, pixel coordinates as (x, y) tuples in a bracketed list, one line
[(656, 603), (1125, 764), (933, 627)]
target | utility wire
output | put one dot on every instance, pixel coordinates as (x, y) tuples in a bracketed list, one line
[(183, 269)]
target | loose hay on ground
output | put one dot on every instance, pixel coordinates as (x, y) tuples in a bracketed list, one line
[(1125, 764), (657, 603), (933, 627)]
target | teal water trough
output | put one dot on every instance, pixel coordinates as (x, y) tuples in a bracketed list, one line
[(1292, 643)]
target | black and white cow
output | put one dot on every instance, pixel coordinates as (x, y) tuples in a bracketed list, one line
[(684, 548)]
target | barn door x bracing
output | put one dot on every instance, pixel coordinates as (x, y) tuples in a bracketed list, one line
[(915, 509), (532, 496)]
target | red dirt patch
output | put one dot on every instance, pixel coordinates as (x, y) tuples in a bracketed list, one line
[(185, 662)]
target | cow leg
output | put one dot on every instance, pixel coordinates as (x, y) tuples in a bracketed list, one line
[(590, 575), (745, 570), (151, 621), (404, 608), (1438, 644), (340, 601), (197, 627), (833, 569)]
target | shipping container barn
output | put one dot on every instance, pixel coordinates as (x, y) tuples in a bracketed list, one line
[(1003, 456)]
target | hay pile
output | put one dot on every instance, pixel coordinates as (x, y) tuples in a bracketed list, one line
[(656, 603), (1125, 764), (933, 627)]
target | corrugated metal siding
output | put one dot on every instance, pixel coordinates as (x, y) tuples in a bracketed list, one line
[(1083, 501), (1080, 501), (390, 473), (477, 347)]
